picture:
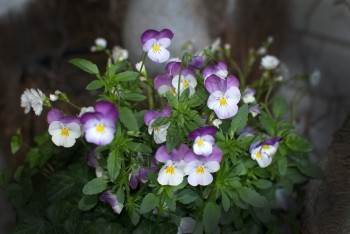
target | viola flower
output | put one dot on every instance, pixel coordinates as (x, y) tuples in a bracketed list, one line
[(63, 129), (108, 196), (140, 173), (99, 126), (187, 225), (269, 62), (262, 151), (155, 44), (203, 140), (159, 132), (172, 172), (220, 70), (163, 84), (199, 167), (247, 131), (254, 110), (33, 99), (187, 78), (248, 95), (224, 95)]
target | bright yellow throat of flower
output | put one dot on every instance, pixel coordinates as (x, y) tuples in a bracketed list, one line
[(223, 101), (100, 128), (170, 170), (156, 48), (200, 143), (200, 170), (258, 155), (65, 132), (185, 83)]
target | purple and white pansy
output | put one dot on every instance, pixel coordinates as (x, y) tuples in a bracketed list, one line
[(111, 199), (63, 129), (99, 126), (262, 151), (155, 43), (224, 95), (159, 132), (254, 110), (203, 140), (172, 172), (163, 84), (187, 79), (248, 95), (220, 70), (200, 167)]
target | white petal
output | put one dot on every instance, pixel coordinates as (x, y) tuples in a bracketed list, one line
[(149, 44), (212, 166), (160, 135), (161, 56), (204, 178), (164, 42), (204, 148), (264, 160)]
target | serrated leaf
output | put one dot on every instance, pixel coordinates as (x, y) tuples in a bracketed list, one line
[(87, 202), (95, 186), (149, 202), (211, 217), (95, 84), (114, 161), (279, 106), (239, 120), (85, 65), (128, 119), (251, 197), (126, 76), (297, 143)]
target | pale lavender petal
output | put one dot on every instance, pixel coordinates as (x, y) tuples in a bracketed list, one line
[(147, 35), (54, 115), (197, 62), (214, 83), (166, 112), (162, 154), (109, 110), (190, 156), (162, 79), (149, 116), (249, 91), (216, 155), (231, 81)]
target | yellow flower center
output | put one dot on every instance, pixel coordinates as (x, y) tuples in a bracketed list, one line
[(265, 147), (100, 128), (258, 155), (200, 170), (173, 91), (65, 132), (200, 142), (223, 101), (156, 48), (170, 170), (185, 83), (156, 129)]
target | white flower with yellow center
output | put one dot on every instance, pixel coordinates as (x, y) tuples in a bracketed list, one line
[(64, 134), (186, 81), (159, 132), (155, 44)]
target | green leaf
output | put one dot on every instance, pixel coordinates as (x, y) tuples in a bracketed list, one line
[(126, 76), (149, 202), (251, 197), (95, 186), (312, 170), (268, 124), (95, 84), (172, 100), (279, 106), (85, 65), (239, 120), (114, 161), (262, 184), (160, 121), (134, 97), (282, 164), (88, 202), (18, 174), (200, 97), (186, 196), (173, 137), (211, 217), (297, 143), (128, 119), (16, 141), (225, 201), (139, 147)]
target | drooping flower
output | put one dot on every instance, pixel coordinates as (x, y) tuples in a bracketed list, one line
[(140, 174), (162, 83), (111, 198), (155, 44), (248, 95), (159, 132), (203, 140), (224, 95), (172, 172), (64, 130), (32, 99), (99, 126), (199, 167), (187, 225), (262, 151), (254, 110), (269, 62), (247, 131), (220, 70), (187, 79)]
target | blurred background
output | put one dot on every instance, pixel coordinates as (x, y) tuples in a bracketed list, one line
[(39, 37)]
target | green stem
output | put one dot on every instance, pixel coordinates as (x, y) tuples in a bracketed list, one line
[(178, 83)]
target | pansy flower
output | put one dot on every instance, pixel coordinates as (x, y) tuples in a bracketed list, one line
[(32, 99), (140, 174), (159, 132), (248, 95), (99, 126), (162, 83), (187, 79), (254, 110), (262, 151), (224, 95), (172, 172), (63, 129), (203, 140), (269, 62), (111, 199), (199, 167), (247, 131), (220, 70), (155, 44)]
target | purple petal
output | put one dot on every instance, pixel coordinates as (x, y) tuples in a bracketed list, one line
[(197, 62), (214, 83), (207, 72), (147, 35), (254, 146), (91, 160), (175, 70), (133, 181), (162, 154), (249, 91), (231, 81), (255, 109), (162, 79), (171, 69), (190, 156), (208, 130), (272, 141), (166, 112), (149, 116), (54, 115), (216, 155), (165, 33), (108, 109), (180, 152), (109, 197), (91, 115), (247, 130)]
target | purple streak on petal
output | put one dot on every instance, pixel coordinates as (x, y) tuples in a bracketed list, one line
[(108, 109), (109, 197), (254, 146), (147, 35), (272, 141), (231, 81), (208, 130), (162, 154), (197, 62), (162, 79), (214, 83), (54, 115), (165, 33)]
